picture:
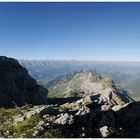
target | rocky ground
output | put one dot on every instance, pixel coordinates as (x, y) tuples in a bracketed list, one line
[(83, 118)]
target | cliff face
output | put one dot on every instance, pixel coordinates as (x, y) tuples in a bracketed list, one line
[(17, 86)]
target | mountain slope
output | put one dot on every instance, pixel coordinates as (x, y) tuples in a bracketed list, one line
[(125, 74), (17, 87), (86, 83)]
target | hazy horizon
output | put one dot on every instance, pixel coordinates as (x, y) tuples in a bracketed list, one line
[(88, 31), (76, 60)]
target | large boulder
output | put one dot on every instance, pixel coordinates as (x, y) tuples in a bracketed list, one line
[(17, 87)]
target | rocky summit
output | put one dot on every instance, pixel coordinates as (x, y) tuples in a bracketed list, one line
[(17, 87)]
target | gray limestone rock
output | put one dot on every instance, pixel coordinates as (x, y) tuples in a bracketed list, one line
[(104, 131), (64, 119)]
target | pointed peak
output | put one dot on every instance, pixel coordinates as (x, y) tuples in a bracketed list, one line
[(87, 70)]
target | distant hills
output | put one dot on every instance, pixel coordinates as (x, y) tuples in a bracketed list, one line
[(126, 75)]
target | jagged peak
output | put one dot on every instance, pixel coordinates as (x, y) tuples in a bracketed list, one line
[(81, 83), (8, 62), (87, 70)]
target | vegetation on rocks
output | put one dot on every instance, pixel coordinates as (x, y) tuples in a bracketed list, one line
[(81, 118), (52, 133)]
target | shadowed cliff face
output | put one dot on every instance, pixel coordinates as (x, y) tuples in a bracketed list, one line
[(17, 86)]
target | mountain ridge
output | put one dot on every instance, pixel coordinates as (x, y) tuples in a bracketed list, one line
[(86, 83), (125, 75)]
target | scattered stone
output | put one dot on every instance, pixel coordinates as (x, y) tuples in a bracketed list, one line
[(47, 124), (7, 133), (22, 136), (105, 107), (35, 110), (41, 123), (19, 118), (116, 107), (77, 105), (64, 119), (85, 101), (83, 110), (104, 131), (36, 133), (51, 118), (46, 116)]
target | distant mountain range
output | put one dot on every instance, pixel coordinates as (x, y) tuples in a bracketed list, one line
[(126, 75)]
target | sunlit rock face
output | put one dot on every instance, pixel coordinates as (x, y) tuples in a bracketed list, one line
[(86, 83)]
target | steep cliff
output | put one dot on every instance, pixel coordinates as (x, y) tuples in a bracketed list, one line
[(17, 87)]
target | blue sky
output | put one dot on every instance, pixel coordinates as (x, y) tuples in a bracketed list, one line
[(81, 31)]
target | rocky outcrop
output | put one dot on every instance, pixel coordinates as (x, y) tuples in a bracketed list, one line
[(104, 131), (17, 87), (81, 118)]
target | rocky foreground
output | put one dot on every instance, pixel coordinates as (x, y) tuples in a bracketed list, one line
[(83, 118)]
